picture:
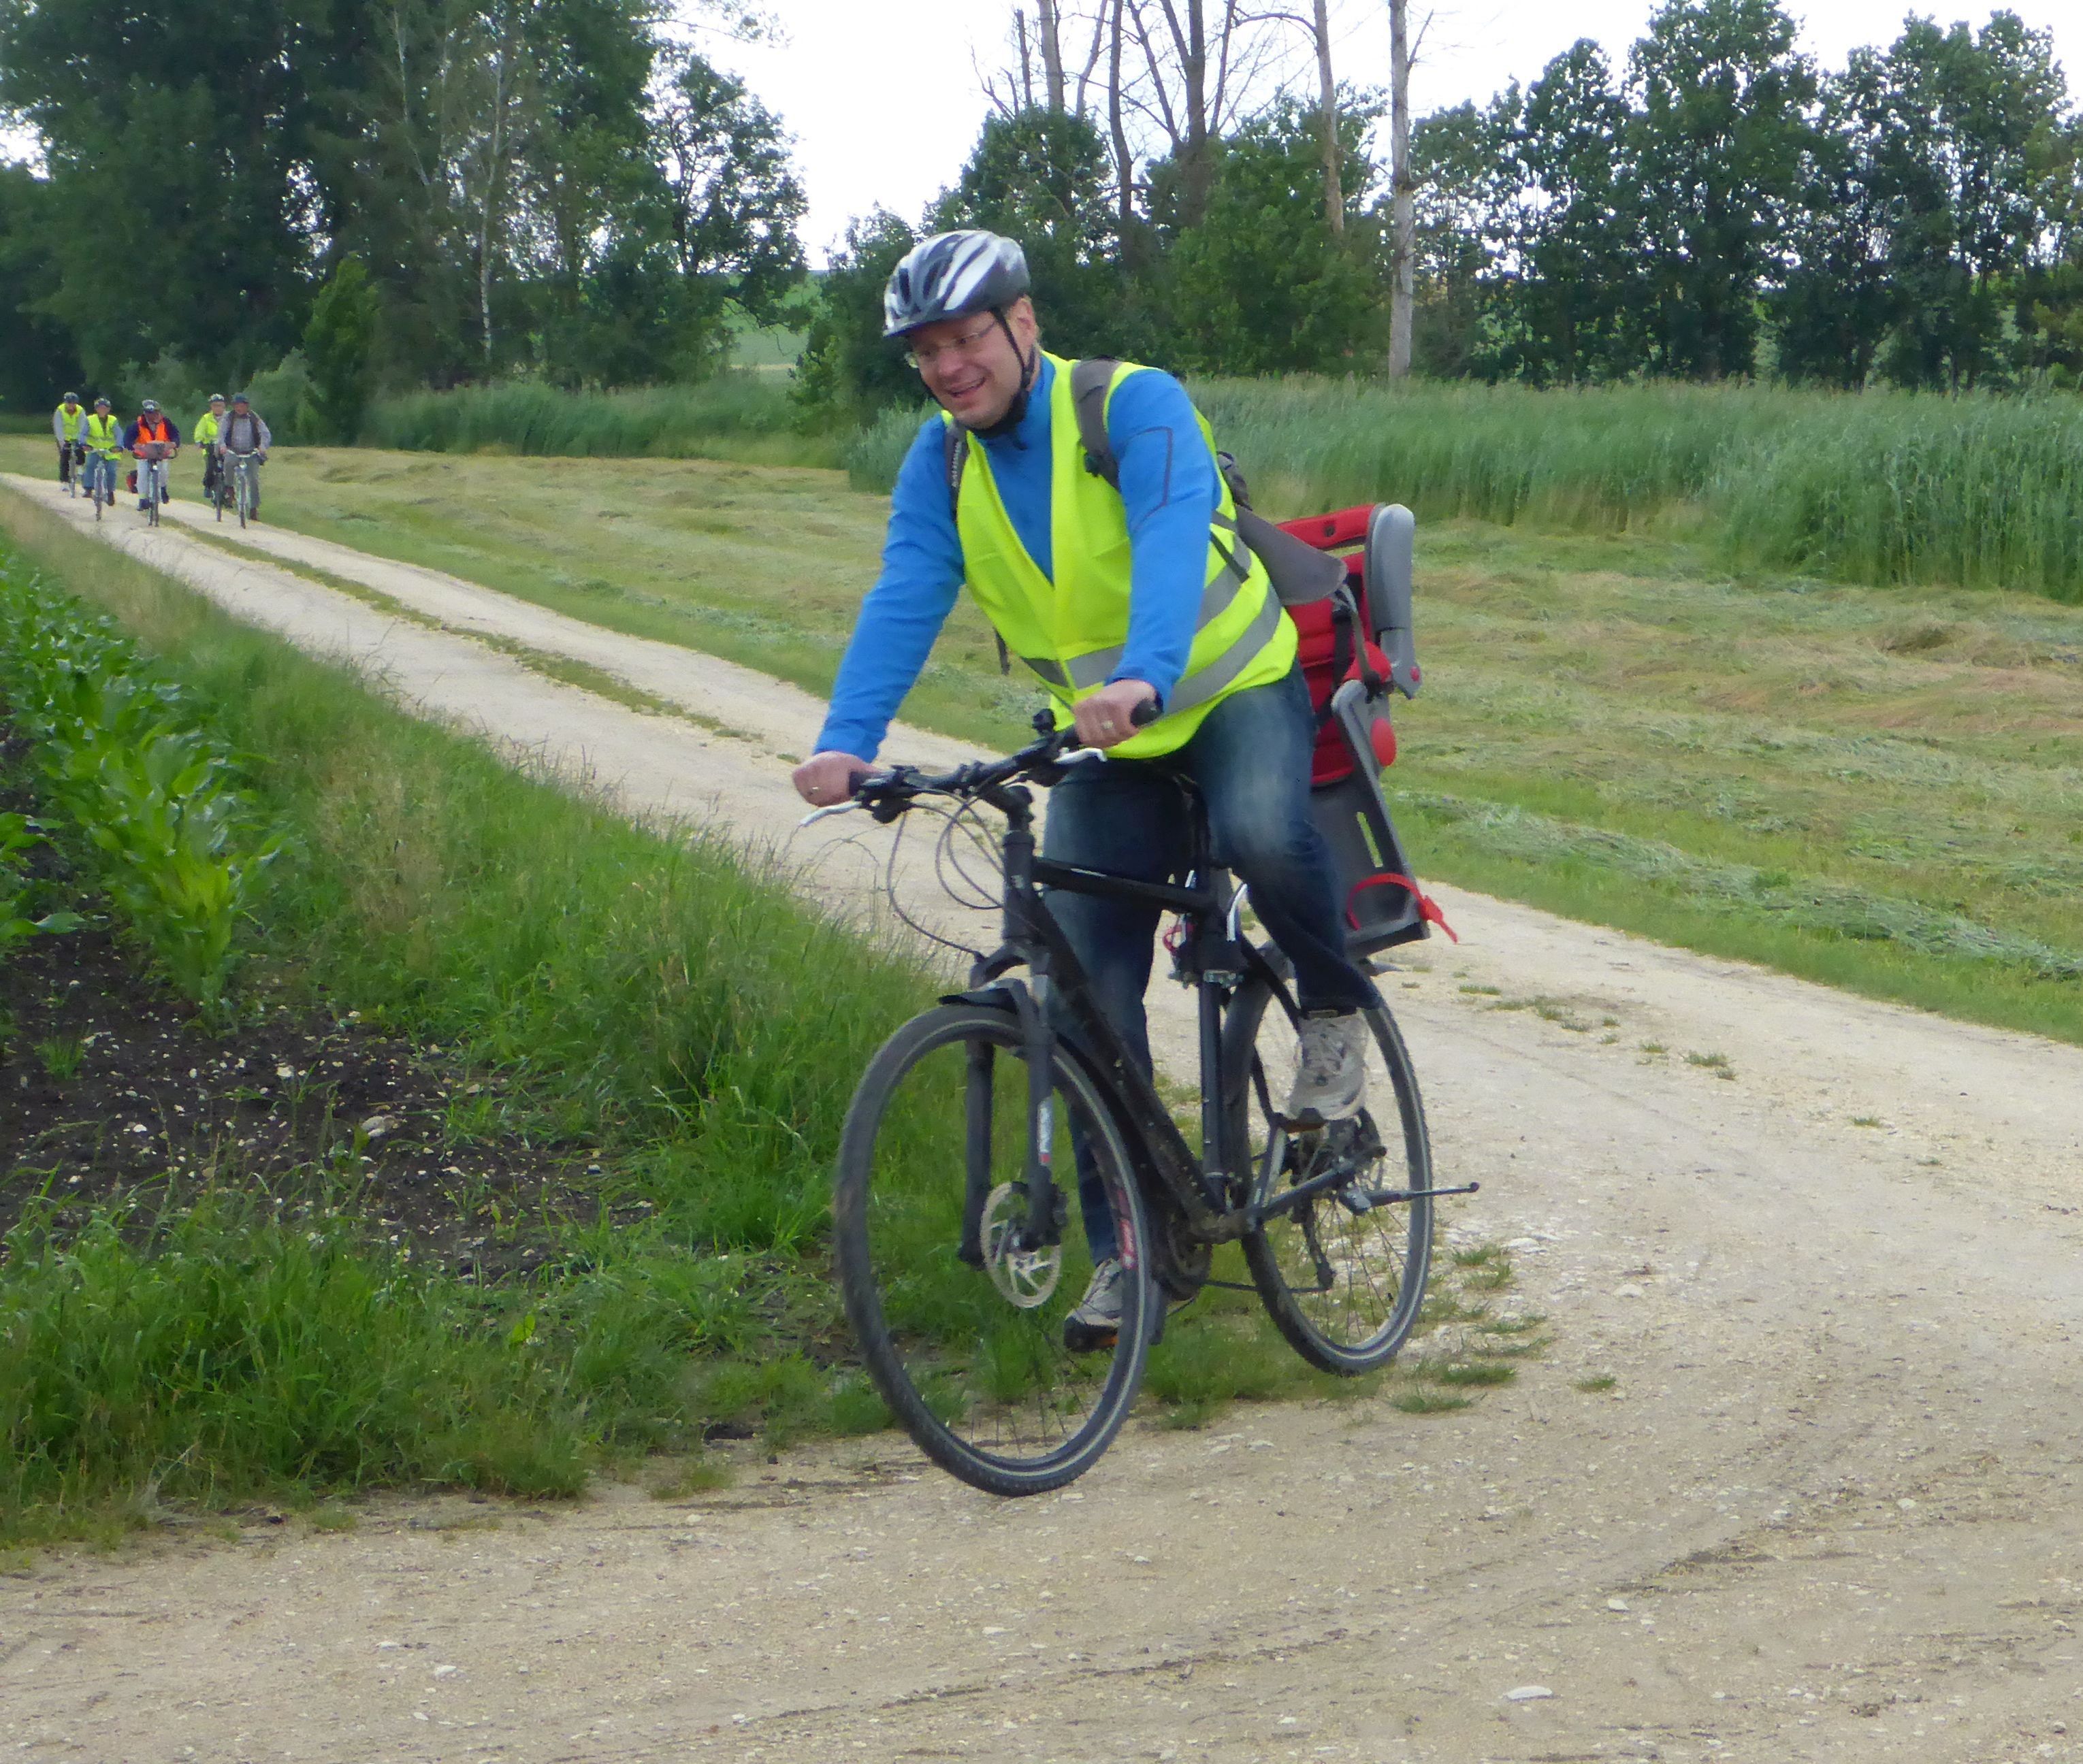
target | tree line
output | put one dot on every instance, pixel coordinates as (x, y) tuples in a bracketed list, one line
[(1717, 207), (396, 193), (422, 191)]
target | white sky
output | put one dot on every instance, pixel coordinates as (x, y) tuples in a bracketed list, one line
[(887, 112)]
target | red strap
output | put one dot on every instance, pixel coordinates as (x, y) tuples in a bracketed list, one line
[(1428, 909)]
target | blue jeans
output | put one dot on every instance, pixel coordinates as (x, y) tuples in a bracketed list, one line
[(97, 469), (1250, 760)]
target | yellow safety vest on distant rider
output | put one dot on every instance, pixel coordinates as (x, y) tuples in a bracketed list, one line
[(105, 435), (206, 427), (1072, 630)]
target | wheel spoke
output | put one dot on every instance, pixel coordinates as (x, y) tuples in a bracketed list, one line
[(975, 1361), (1344, 1285)]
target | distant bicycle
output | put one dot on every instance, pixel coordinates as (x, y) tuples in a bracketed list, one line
[(99, 469), (72, 458), (152, 458), (239, 485)]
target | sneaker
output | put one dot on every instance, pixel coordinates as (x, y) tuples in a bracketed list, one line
[(1330, 1069), (1096, 1322)]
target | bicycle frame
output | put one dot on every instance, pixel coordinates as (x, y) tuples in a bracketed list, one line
[(245, 468), (1201, 1187)]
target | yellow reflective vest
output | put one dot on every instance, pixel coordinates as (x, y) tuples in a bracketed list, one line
[(104, 434), (206, 429), (1072, 631)]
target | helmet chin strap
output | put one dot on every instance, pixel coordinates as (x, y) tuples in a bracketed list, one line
[(1029, 365)]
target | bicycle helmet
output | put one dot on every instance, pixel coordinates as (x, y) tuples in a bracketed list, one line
[(70, 397), (150, 404), (240, 397), (950, 276), (214, 398), (101, 404)]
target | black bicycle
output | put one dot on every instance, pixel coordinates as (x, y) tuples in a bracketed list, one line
[(961, 1246)]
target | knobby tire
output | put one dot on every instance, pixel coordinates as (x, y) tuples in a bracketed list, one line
[(1377, 1262), (943, 1345)]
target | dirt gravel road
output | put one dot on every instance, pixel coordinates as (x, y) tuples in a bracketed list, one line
[(1829, 1507)]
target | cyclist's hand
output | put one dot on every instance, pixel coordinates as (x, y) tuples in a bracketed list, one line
[(825, 778), (1102, 720)]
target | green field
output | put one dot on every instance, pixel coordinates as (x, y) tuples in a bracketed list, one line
[(1881, 789)]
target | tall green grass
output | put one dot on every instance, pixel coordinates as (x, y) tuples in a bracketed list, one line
[(1877, 487), (737, 416)]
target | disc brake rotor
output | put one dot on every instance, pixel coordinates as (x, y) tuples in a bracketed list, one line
[(1026, 1277)]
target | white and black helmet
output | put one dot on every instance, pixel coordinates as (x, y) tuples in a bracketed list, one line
[(950, 276)]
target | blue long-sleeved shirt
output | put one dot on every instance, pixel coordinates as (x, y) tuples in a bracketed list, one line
[(1167, 487)]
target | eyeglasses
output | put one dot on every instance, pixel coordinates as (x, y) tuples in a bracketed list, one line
[(925, 357)]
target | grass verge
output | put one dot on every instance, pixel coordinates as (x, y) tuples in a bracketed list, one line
[(647, 1003)]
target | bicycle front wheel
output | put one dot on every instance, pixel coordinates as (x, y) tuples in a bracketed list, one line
[(1341, 1273), (977, 1363)]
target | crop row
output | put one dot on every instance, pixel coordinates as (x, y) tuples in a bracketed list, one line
[(126, 758)]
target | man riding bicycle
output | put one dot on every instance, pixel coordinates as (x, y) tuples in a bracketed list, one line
[(242, 434), (100, 441), (151, 429), (65, 430), (1118, 599), (206, 428)]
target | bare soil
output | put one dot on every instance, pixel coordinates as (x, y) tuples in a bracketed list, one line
[(113, 1088), (1796, 1477)]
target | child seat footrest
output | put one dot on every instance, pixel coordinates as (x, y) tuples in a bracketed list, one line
[(1383, 905)]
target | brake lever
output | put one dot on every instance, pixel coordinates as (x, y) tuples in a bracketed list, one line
[(817, 815)]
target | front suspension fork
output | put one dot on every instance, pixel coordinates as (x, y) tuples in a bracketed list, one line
[(1043, 1224)]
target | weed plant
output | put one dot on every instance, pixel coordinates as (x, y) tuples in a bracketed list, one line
[(155, 801), (19, 834)]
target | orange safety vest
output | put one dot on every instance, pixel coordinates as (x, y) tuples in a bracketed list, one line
[(144, 430)]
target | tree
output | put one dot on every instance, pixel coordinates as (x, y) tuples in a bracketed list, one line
[(1581, 237), (39, 363), (848, 372), (192, 151), (1040, 176), (1463, 204), (338, 349), (1262, 286), (1402, 291), (1715, 148), (1838, 298)]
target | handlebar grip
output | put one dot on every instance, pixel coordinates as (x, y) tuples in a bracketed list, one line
[(1145, 713)]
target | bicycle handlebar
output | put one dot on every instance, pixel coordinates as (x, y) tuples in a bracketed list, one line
[(886, 794)]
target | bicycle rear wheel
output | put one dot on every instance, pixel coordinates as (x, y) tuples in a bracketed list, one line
[(973, 1361), (1343, 1274)]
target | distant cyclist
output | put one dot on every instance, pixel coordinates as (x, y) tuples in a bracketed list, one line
[(205, 438), (65, 430), (153, 427), (100, 441), (244, 432)]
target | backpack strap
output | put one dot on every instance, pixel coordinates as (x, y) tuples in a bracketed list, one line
[(1089, 381)]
